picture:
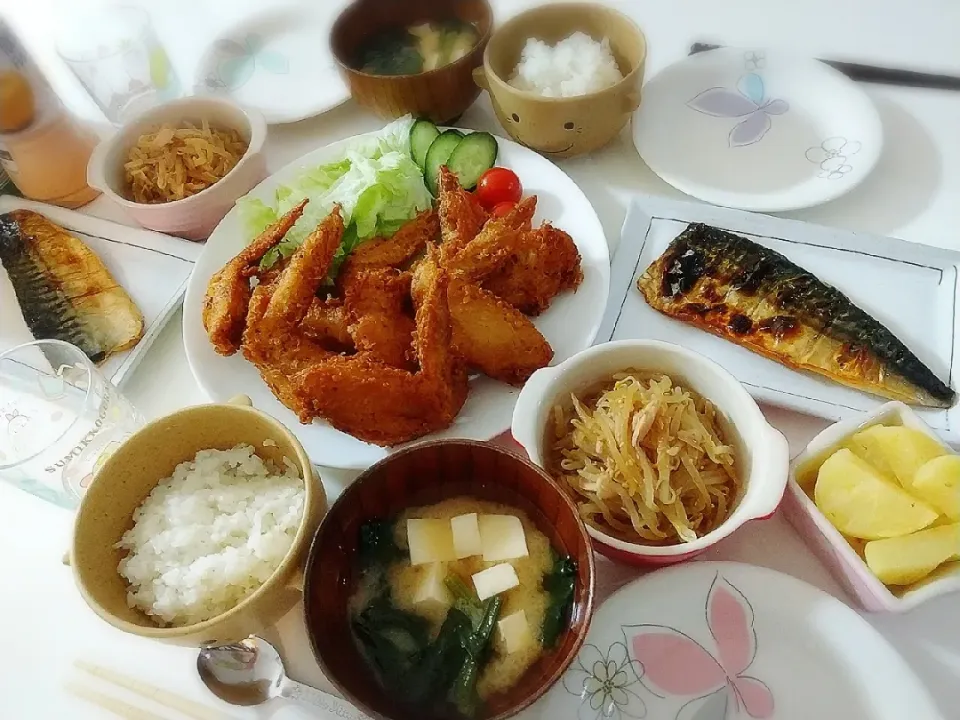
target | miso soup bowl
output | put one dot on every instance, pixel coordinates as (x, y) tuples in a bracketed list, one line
[(440, 95), (423, 475), (762, 455), (134, 470)]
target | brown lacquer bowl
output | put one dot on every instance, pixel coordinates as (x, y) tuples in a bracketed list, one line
[(440, 95), (422, 475)]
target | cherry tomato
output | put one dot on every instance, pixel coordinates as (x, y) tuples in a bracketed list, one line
[(498, 185), (501, 209)]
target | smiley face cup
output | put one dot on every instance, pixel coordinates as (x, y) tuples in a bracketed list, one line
[(564, 127)]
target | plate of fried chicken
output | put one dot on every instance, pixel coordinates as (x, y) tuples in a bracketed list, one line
[(429, 333)]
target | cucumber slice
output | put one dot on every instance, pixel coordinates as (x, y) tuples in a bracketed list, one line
[(437, 156), (475, 154), (422, 135)]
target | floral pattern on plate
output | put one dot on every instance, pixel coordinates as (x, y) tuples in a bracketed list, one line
[(606, 684), (748, 101), (832, 156), (673, 663)]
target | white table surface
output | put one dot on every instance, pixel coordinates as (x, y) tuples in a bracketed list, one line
[(912, 194)]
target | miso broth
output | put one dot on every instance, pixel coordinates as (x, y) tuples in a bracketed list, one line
[(448, 657), (417, 48)]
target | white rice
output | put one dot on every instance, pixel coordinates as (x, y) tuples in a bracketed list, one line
[(210, 535), (576, 65)]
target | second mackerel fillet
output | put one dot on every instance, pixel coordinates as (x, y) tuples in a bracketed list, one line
[(753, 296)]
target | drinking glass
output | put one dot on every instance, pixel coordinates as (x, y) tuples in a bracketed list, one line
[(115, 53), (60, 419)]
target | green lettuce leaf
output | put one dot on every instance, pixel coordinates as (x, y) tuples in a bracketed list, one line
[(376, 183)]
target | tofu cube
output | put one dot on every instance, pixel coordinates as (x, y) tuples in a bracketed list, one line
[(429, 541), (495, 580), (432, 589), (502, 538), (466, 536), (515, 631)]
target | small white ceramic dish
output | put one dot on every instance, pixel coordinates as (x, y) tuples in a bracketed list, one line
[(194, 217), (913, 289), (277, 61), (832, 548), (570, 324), (757, 130), (719, 641), (762, 454)]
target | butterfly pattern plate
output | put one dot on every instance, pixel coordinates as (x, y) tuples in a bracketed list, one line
[(757, 131), (277, 62), (727, 641)]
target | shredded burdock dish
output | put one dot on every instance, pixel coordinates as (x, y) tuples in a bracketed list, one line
[(172, 163), (645, 459)]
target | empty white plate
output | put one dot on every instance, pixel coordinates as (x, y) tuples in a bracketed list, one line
[(757, 130), (278, 62)]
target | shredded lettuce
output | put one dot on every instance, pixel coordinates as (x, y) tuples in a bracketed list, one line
[(377, 184)]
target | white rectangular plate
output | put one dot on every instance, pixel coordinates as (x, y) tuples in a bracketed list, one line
[(910, 288), (153, 268)]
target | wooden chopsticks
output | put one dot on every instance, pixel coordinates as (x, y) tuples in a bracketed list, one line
[(159, 696)]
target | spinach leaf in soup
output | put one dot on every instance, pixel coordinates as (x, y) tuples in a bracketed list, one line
[(559, 584), (377, 546)]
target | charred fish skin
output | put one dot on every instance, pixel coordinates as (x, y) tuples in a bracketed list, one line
[(46, 309), (706, 262)]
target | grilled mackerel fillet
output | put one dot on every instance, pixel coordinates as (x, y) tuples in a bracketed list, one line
[(755, 297), (63, 289)]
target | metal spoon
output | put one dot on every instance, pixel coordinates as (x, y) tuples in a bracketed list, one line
[(251, 672)]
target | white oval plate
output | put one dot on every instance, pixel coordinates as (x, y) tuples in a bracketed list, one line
[(757, 130), (278, 62), (728, 641), (570, 325)]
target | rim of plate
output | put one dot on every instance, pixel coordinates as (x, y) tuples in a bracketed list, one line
[(290, 13), (799, 592), (196, 289), (755, 202)]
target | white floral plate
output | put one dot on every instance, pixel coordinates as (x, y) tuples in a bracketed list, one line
[(728, 641), (757, 130), (277, 61)]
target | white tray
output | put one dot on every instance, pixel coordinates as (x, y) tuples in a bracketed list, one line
[(910, 288), (153, 268)]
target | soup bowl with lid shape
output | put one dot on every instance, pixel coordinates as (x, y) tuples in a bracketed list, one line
[(135, 468), (761, 452), (562, 127), (422, 475)]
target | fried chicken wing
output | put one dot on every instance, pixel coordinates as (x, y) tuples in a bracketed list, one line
[(326, 322), (228, 293), (405, 244), (386, 405), (493, 337), (461, 217), (297, 285), (376, 302), (272, 340), (546, 264), (497, 242)]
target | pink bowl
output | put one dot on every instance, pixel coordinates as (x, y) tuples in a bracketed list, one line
[(762, 452), (195, 217)]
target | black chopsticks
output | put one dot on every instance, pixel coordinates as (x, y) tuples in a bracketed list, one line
[(875, 74)]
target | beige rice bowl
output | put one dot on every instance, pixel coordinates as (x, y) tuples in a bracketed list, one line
[(210, 535)]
